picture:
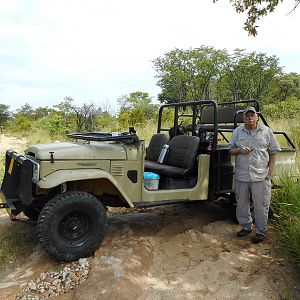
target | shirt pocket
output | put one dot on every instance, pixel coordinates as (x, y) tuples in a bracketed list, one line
[(259, 142), (242, 142)]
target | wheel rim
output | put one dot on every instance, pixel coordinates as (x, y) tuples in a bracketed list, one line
[(75, 228)]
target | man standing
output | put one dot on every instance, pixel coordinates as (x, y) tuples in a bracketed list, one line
[(254, 147)]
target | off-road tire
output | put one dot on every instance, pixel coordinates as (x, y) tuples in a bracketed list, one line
[(71, 225)]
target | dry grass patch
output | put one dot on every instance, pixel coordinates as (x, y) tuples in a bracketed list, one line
[(18, 240)]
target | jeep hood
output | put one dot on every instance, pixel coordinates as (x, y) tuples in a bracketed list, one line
[(78, 151)]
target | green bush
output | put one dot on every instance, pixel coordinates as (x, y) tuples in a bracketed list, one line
[(130, 118), (55, 124), (289, 108), (19, 124), (106, 122)]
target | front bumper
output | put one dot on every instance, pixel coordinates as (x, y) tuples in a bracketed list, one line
[(4, 203), (17, 185)]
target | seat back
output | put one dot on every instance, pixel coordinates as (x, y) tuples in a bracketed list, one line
[(156, 143), (225, 115), (182, 151)]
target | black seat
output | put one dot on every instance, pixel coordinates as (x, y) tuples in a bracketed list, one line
[(181, 157), (225, 117), (156, 143)]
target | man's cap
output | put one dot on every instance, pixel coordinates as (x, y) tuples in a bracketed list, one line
[(249, 108)]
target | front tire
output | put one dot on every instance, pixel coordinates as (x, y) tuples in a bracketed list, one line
[(71, 225)]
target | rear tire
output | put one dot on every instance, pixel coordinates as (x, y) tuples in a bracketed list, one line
[(71, 225)]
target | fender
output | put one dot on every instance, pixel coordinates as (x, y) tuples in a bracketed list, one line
[(58, 177)]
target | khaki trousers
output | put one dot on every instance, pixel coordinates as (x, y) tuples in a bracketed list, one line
[(261, 197)]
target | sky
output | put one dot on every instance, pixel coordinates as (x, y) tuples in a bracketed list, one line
[(96, 50)]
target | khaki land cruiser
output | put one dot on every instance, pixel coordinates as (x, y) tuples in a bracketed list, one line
[(66, 186)]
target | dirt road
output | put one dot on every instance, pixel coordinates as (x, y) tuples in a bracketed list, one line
[(186, 251), (9, 142)]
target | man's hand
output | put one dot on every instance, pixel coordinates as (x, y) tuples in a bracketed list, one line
[(237, 151), (245, 150)]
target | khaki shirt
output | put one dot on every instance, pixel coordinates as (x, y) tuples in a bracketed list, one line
[(255, 166)]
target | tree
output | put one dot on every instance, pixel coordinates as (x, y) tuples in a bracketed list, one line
[(186, 75), (285, 86), (85, 116), (4, 114), (105, 121), (255, 10), (247, 76), (65, 107), (42, 112), (26, 110), (206, 73), (137, 101)]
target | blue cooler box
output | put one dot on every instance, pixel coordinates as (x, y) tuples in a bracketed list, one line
[(151, 180)]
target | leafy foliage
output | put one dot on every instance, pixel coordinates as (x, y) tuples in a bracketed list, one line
[(137, 100), (255, 10), (25, 110), (206, 73), (136, 108), (129, 118), (248, 76), (106, 122), (284, 87), (55, 124), (185, 75), (289, 109), (4, 114), (20, 123)]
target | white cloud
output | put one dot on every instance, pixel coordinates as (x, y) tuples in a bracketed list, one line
[(98, 50)]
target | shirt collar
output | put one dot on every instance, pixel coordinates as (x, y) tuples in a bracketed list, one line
[(255, 130)]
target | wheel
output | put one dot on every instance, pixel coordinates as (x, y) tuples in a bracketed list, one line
[(71, 225)]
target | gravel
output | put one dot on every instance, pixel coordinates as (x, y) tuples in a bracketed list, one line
[(54, 283)]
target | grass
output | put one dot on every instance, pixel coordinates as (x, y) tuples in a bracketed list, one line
[(17, 241), (286, 202), (37, 136), (290, 126)]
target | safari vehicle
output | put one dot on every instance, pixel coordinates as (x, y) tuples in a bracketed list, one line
[(66, 186)]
